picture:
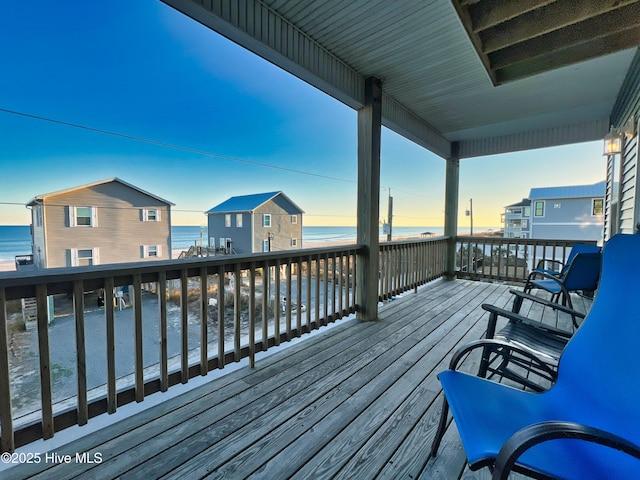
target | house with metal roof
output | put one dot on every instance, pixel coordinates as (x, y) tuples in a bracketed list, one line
[(109, 221), (262, 222), (516, 219), (572, 212)]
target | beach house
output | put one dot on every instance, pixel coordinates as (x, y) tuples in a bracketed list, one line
[(262, 222), (109, 221), (516, 219), (571, 212)]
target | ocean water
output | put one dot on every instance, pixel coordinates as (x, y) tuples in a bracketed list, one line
[(16, 240)]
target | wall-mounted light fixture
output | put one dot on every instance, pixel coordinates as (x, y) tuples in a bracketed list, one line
[(613, 142)]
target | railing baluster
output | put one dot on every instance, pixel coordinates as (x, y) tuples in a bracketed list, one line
[(289, 301), (325, 289), (237, 310), (276, 323), (7, 442), (204, 317), (308, 313), (317, 291), (341, 284), (299, 295), (184, 326), (221, 300), (81, 360), (137, 335), (252, 315), (161, 287), (109, 314), (45, 361), (265, 305)]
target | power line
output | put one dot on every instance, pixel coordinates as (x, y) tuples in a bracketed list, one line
[(189, 149), (173, 146)]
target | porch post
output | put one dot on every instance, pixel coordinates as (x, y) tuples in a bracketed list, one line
[(451, 208), (368, 263)]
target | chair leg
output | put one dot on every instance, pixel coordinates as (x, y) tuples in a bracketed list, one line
[(442, 426)]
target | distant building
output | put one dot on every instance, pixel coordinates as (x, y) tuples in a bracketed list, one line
[(110, 221), (261, 222), (567, 213), (517, 219)]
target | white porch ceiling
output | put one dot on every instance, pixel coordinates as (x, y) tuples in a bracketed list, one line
[(437, 82)]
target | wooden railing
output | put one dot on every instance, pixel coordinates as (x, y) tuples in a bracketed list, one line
[(506, 259), (405, 265), (131, 330), (158, 324)]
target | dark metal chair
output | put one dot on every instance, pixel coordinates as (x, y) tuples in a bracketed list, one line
[(557, 267), (586, 424), (582, 274)]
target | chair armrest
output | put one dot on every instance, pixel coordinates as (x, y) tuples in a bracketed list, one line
[(541, 264), (495, 345), (516, 317), (537, 433), (547, 303)]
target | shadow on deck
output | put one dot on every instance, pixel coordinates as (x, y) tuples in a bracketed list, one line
[(358, 400)]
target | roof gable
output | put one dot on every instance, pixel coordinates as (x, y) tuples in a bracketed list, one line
[(249, 203), (41, 197), (569, 191)]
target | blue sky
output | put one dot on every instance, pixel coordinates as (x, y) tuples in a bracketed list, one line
[(141, 69)]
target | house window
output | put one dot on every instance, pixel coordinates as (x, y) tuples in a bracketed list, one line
[(39, 219), (227, 220), (597, 206), (265, 245), (294, 219), (150, 215), (538, 209), (294, 242), (83, 216), (151, 251), (266, 220), (83, 257), (212, 242), (525, 223), (239, 220)]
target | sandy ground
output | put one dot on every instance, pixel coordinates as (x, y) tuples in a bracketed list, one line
[(7, 266)]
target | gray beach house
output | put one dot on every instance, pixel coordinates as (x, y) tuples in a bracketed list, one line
[(110, 221), (572, 212), (262, 222)]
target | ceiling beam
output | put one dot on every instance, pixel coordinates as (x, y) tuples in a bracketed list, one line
[(595, 29), (544, 20), (489, 14), (568, 56)]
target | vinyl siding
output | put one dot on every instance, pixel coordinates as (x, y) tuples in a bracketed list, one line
[(120, 233)]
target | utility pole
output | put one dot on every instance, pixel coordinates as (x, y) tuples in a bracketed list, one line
[(390, 218)]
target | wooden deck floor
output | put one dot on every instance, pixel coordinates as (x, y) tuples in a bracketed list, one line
[(356, 401)]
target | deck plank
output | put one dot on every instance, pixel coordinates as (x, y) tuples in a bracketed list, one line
[(359, 400)]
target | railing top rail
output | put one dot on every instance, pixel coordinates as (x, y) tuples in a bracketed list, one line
[(524, 241), (122, 272), (415, 240)]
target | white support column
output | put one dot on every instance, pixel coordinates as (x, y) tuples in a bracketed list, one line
[(452, 182), (368, 263)]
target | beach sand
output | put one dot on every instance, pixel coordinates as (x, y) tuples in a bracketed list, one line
[(7, 266)]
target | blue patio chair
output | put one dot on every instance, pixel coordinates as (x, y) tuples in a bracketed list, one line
[(557, 267), (588, 424), (582, 274)]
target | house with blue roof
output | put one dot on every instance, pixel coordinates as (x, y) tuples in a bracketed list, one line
[(262, 222), (573, 212)]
